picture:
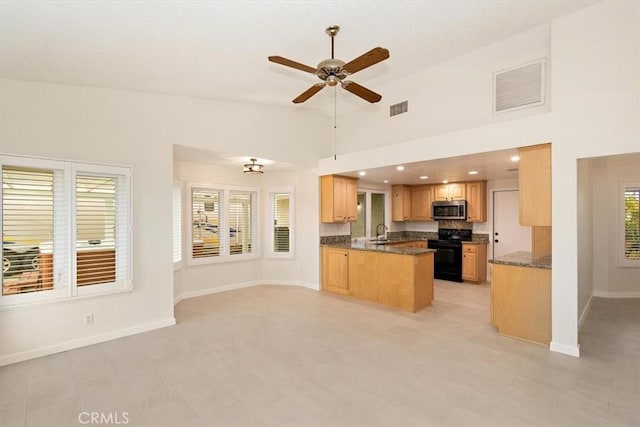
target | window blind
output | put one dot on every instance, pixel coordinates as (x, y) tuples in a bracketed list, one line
[(281, 222), (27, 229), (206, 240), (632, 223), (177, 224), (96, 229), (242, 221)]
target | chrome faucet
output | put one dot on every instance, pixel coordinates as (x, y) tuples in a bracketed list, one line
[(378, 234)]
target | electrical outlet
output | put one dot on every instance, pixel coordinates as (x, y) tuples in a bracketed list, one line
[(88, 319)]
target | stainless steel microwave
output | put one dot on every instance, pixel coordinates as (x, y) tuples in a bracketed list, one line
[(449, 209)]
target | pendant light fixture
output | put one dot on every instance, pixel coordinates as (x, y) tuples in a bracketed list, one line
[(253, 167)]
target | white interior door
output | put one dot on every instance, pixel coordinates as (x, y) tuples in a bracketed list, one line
[(508, 235)]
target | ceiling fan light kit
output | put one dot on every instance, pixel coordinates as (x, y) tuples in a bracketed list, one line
[(334, 71), (253, 167)]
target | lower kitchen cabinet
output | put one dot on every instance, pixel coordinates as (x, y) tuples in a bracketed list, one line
[(521, 302), (474, 262), (335, 270)]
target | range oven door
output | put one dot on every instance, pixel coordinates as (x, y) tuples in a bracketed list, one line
[(447, 260)]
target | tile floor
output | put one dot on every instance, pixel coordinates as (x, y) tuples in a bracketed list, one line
[(286, 356)]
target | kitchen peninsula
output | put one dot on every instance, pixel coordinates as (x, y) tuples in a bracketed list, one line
[(397, 274)]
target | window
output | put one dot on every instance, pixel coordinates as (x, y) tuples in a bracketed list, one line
[(631, 224), (44, 203), (281, 207), (223, 223), (177, 224)]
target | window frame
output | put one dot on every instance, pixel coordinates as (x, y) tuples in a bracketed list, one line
[(623, 260), (270, 253), (223, 226), (178, 223), (65, 287)]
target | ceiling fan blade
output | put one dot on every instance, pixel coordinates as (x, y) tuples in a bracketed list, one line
[(293, 64), (374, 56), (361, 91), (309, 93)]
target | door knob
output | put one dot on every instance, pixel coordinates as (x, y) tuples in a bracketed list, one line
[(496, 240), (496, 233)]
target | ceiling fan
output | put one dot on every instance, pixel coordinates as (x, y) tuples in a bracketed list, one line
[(333, 71)]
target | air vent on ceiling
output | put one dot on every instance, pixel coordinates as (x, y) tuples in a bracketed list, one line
[(519, 87), (399, 108)]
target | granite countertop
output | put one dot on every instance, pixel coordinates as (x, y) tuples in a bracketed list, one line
[(388, 249), (524, 259), (475, 243)]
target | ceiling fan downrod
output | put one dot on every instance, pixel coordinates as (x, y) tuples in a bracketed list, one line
[(332, 31)]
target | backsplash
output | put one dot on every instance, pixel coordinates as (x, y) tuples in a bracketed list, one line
[(416, 235), (334, 240), (455, 223)]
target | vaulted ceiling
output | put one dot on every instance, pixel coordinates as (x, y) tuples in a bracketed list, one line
[(219, 49)]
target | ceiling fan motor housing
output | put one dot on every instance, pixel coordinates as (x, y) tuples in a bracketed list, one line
[(331, 71)]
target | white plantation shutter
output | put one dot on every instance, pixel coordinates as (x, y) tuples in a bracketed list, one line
[(281, 205), (242, 220), (632, 223), (27, 227), (47, 202), (102, 228), (206, 239), (177, 223)]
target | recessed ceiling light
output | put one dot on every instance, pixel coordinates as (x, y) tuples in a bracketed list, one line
[(445, 181), (386, 181), (515, 158), (424, 177), (362, 173), (473, 172), (400, 168)]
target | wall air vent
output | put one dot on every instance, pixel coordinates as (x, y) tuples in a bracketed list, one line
[(399, 108), (519, 87)]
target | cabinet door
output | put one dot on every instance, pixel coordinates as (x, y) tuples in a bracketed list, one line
[(534, 185), (335, 270), (351, 200), (457, 191), (477, 201), (469, 266), (401, 203), (339, 199), (441, 192), (421, 202)]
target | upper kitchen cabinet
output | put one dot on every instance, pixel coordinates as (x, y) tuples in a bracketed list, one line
[(477, 201), (401, 203), (421, 198), (455, 191), (534, 184), (339, 198)]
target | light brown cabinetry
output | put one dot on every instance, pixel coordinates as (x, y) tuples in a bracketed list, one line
[(420, 244), (474, 262), (339, 198), (521, 302), (421, 198), (534, 185), (401, 203), (335, 270), (454, 191), (477, 201), (395, 280)]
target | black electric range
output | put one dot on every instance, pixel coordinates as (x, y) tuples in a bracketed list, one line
[(448, 256)]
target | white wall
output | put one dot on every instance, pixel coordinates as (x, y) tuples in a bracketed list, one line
[(595, 99), (610, 279), (194, 280), (586, 230), (139, 130)]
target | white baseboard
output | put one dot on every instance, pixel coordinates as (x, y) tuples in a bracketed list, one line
[(585, 313), (85, 341), (208, 291), (565, 349), (603, 294)]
